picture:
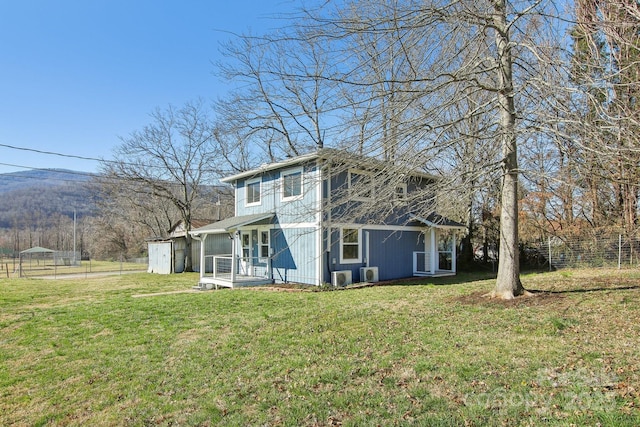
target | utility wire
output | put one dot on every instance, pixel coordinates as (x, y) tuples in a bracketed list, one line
[(9, 175), (53, 153), (72, 156)]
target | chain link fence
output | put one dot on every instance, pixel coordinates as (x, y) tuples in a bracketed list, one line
[(63, 263), (617, 251)]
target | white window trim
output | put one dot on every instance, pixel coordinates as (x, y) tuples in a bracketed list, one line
[(403, 195), (291, 172), (352, 193), (260, 231), (350, 260), (246, 191)]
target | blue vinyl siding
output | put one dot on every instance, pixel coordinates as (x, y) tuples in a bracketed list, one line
[(294, 237), (294, 255), (342, 207), (390, 251), (302, 210), (267, 194)]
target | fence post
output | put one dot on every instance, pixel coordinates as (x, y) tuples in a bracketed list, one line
[(549, 247), (619, 251)]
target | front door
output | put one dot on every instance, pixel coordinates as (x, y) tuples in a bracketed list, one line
[(245, 260)]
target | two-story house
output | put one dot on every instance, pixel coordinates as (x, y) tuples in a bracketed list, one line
[(327, 217)]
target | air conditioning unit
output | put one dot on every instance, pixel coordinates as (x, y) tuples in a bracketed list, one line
[(369, 274), (341, 278)]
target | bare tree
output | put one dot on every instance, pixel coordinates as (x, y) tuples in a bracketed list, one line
[(402, 75), (161, 170), (447, 51), (583, 164), (274, 110), (470, 159), (607, 70), (508, 282)]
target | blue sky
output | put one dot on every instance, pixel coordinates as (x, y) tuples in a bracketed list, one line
[(77, 74)]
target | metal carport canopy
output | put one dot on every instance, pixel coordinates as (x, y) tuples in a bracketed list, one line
[(37, 250)]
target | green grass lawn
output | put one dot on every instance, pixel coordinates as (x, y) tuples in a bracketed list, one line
[(92, 352)]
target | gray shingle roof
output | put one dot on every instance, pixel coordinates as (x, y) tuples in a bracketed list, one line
[(230, 224)]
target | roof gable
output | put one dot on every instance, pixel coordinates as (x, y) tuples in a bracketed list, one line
[(329, 155), (230, 224)]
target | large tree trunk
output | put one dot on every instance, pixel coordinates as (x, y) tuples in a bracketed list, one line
[(188, 261), (508, 283)]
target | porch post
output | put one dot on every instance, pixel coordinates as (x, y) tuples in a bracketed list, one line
[(202, 259), (453, 251), (434, 251), (269, 261), (270, 252), (234, 258)]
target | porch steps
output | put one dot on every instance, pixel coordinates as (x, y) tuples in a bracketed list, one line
[(203, 287)]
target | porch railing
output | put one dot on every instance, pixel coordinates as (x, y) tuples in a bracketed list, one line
[(422, 263), (222, 267)]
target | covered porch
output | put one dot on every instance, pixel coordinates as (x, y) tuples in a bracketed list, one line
[(239, 267), (231, 271), (438, 259)]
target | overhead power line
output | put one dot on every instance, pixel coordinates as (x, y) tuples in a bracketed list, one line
[(53, 153), (73, 156)]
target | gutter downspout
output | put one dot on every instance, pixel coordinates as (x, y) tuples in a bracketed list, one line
[(368, 256)]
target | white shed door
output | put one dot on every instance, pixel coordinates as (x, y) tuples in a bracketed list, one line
[(160, 257)]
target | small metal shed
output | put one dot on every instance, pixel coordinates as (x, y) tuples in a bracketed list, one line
[(160, 257)]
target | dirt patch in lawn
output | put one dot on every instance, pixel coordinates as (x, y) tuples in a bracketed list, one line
[(547, 297), (155, 294), (538, 298)]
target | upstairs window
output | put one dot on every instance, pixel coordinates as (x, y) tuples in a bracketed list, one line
[(360, 185), (252, 190), (292, 184), (401, 192)]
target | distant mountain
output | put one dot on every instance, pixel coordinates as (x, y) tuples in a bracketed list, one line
[(43, 193), (40, 178)]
